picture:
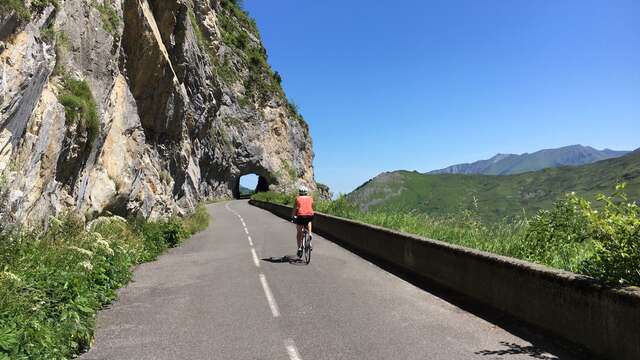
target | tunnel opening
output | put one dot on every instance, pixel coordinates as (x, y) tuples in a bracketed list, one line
[(250, 184)]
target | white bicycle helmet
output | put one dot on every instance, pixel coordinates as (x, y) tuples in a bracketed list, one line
[(302, 190)]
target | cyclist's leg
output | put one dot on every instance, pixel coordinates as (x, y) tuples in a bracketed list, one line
[(299, 235)]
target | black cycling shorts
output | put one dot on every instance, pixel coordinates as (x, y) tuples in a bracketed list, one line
[(303, 220)]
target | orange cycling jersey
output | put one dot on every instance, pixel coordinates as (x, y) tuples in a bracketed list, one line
[(304, 206)]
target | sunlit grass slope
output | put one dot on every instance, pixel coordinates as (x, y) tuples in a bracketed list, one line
[(495, 197)]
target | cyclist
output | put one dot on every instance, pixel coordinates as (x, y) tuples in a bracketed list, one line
[(303, 215)]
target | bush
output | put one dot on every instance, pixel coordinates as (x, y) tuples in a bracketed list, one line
[(560, 237), (80, 107), (615, 230), (53, 282), (52, 285)]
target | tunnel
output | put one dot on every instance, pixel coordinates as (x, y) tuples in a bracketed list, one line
[(248, 184)]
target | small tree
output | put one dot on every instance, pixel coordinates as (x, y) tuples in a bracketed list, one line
[(554, 236), (616, 234)]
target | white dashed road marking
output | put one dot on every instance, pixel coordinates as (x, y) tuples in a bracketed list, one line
[(275, 311), (270, 299), (255, 257), (291, 350)]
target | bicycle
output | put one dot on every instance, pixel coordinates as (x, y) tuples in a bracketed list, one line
[(306, 244)]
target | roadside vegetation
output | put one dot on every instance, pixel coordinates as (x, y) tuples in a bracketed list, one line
[(600, 239), (53, 281)]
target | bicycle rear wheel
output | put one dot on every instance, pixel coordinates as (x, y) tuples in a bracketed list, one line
[(307, 248)]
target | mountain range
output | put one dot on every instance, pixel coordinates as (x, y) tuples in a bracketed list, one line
[(496, 197), (509, 164)]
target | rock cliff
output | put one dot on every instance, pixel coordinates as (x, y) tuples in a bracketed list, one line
[(139, 107)]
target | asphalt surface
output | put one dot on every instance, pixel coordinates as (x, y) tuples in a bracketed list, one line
[(212, 299)]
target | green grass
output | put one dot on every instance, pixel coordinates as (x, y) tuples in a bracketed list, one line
[(495, 197), (197, 221), (53, 282), (80, 107)]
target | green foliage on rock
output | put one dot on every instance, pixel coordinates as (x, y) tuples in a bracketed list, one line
[(202, 39), (261, 83), (53, 282), (39, 5), (22, 11), (109, 16), (242, 18), (60, 40), (15, 5), (80, 107)]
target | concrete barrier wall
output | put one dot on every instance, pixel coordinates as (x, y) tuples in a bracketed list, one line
[(603, 320)]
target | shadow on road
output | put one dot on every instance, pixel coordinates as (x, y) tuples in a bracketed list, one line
[(538, 337), (515, 349), (287, 259)]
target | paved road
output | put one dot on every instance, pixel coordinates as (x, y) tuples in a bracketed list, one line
[(213, 298)]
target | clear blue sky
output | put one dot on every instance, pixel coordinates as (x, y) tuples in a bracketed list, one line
[(421, 85)]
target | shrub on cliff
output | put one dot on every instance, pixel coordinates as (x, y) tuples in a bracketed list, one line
[(80, 107)]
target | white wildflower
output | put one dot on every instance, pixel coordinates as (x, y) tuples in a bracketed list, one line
[(81, 250), (86, 265), (104, 245), (9, 276)]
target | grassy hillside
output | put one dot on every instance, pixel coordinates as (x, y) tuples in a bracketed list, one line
[(496, 197)]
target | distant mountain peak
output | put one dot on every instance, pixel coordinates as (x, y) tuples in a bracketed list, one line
[(508, 164)]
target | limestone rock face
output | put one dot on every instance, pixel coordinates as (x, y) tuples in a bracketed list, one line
[(183, 103)]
